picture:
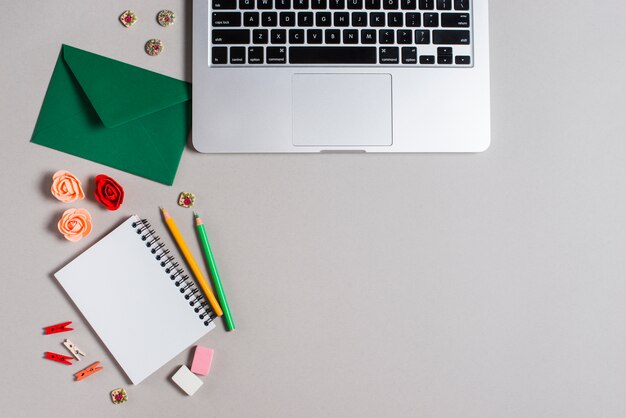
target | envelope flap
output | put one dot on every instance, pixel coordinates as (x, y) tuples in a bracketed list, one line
[(121, 92)]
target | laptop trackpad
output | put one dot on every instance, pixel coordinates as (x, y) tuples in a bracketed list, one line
[(341, 109)]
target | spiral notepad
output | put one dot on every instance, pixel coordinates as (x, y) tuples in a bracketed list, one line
[(137, 298)]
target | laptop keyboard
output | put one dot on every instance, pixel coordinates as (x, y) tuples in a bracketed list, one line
[(409, 33)]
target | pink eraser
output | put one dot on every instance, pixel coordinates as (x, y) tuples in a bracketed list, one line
[(202, 360)]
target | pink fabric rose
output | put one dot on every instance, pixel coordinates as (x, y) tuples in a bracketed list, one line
[(66, 187), (75, 224)]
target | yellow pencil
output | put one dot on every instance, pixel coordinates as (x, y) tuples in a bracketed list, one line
[(191, 262)]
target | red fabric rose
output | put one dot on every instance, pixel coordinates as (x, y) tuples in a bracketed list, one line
[(108, 192)]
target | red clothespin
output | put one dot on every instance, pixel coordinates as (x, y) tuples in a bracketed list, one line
[(53, 329), (88, 371), (58, 357)]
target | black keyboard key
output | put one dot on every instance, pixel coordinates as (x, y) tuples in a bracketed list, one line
[(318, 4), (444, 4), (259, 36), (276, 54), (332, 55), (359, 19), (431, 20), (368, 36), (251, 19), (337, 4), (341, 19), (246, 5), (427, 59), (388, 55), (426, 4), (237, 54), (226, 19), (269, 18), (408, 4), (461, 4), (218, 54), (300, 4), (296, 36), (255, 55), (444, 55), (372, 4), (462, 60), (386, 36), (322, 19), (390, 4), (395, 20), (264, 4), (377, 19), (332, 36), (405, 36), (225, 5), (350, 36), (422, 37), (230, 36), (287, 19), (412, 20), (409, 55), (305, 19), (314, 36), (278, 36), (282, 4), (355, 4), (455, 20), (451, 37)]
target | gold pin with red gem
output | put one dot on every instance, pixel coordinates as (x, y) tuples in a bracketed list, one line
[(154, 47), (128, 18), (166, 18)]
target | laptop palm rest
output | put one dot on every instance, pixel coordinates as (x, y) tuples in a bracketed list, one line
[(341, 109)]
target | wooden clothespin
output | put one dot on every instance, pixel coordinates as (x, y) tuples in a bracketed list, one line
[(62, 327), (58, 357), (88, 371), (73, 349)]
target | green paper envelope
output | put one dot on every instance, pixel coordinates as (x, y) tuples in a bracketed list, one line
[(115, 114)]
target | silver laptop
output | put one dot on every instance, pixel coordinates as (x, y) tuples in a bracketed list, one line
[(340, 75)]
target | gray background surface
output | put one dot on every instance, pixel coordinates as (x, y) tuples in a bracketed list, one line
[(487, 285)]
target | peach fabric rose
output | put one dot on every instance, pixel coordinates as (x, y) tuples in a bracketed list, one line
[(75, 224), (66, 187)]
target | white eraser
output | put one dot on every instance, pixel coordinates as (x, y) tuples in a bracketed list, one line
[(186, 380)]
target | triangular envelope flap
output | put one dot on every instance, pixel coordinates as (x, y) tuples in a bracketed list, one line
[(121, 92)]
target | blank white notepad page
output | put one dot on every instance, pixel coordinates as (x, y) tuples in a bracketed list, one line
[(131, 302)]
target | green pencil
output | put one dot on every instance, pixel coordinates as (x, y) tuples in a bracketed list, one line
[(214, 274)]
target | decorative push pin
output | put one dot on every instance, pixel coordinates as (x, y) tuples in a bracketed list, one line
[(154, 47), (62, 327), (73, 349), (186, 199), (166, 18), (128, 18), (119, 396)]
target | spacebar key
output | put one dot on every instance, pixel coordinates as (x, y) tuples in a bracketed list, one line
[(332, 55)]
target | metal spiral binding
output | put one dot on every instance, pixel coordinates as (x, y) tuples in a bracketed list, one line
[(187, 287)]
